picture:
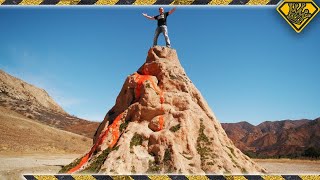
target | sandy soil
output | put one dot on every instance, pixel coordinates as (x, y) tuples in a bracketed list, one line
[(13, 166), (28, 147), (289, 166), (20, 134)]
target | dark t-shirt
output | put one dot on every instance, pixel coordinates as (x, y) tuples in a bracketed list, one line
[(162, 18)]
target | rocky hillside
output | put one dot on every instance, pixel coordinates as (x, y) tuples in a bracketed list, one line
[(14, 88), (291, 138), (21, 135), (35, 103), (160, 123)]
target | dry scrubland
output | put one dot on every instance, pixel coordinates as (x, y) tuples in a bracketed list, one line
[(20, 134), (30, 147)]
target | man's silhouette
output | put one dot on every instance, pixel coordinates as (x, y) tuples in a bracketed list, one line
[(162, 25)]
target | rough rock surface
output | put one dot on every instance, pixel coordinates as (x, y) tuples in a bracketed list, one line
[(160, 123)]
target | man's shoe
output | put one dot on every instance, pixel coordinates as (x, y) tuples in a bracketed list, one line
[(168, 46)]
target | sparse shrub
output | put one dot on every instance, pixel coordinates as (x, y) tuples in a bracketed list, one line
[(202, 142), (136, 140), (251, 154), (175, 128), (70, 166), (96, 165), (167, 155), (312, 152), (207, 155), (124, 125), (116, 148), (153, 167), (202, 137)]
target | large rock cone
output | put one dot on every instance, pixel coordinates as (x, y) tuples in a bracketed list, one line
[(162, 124)]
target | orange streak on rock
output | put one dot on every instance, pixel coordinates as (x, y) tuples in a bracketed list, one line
[(161, 122), (115, 131), (82, 162), (139, 79), (161, 97), (115, 136), (114, 127)]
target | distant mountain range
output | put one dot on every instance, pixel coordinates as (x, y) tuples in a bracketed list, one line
[(286, 138)]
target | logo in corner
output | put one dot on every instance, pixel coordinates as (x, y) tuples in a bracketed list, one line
[(298, 13)]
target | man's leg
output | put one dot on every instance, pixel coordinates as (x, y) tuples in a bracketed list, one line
[(156, 35), (165, 33)]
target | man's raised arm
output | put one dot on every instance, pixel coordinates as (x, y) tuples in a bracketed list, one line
[(149, 17), (172, 10)]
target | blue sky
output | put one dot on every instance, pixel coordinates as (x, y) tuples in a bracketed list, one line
[(248, 63)]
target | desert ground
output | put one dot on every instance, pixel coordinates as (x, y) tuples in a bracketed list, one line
[(12, 166), (290, 166), (27, 146)]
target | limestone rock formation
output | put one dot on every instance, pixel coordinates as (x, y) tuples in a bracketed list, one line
[(160, 123)]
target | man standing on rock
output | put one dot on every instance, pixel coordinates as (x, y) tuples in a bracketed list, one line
[(162, 25)]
